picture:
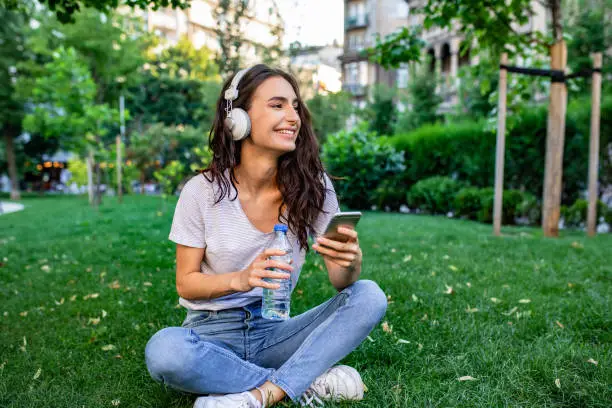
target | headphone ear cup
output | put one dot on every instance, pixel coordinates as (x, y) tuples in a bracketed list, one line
[(242, 124)]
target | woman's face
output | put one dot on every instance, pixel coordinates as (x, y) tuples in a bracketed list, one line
[(275, 123)]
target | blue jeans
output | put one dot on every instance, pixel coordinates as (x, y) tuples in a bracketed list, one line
[(235, 350)]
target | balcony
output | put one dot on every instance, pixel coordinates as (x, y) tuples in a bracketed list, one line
[(354, 89), (359, 21)]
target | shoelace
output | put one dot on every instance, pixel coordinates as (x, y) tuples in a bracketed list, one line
[(309, 398)]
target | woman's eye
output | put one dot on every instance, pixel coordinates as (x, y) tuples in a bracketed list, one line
[(277, 106)]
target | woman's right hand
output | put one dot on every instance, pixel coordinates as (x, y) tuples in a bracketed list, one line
[(254, 274)]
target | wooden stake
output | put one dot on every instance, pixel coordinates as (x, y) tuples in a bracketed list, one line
[(555, 138), (501, 147), (594, 145), (119, 186)]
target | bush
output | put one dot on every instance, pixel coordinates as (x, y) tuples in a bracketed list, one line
[(434, 195), (477, 204), (576, 215), (466, 151), (364, 161), (468, 203), (511, 199)]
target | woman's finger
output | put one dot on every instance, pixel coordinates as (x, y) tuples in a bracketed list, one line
[(326, 251), (339, 246)]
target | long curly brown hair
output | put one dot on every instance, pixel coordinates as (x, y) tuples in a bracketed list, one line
[(300, 176)]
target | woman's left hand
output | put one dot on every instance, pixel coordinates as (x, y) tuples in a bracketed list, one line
[(346, 254)]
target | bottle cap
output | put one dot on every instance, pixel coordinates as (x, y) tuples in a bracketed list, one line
[(280, 227)]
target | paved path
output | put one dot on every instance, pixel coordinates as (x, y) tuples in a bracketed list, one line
[(6, 207)]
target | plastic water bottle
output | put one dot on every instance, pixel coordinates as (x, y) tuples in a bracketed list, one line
[(276, 302)]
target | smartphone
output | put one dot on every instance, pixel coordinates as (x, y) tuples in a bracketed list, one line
[(341, 218)]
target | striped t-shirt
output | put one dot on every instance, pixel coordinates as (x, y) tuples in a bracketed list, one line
[(232, 242)]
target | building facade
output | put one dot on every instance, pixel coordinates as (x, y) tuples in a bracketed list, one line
[(366, 18), (317, 69), (199, 25)]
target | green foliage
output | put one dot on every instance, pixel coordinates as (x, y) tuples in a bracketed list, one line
[(381, 111), (78, 171), (511, 200), (461, 150), (170, 177), (397, 48), (434, 195), (477, 87), (575, 216), (364, 160), (178, 86), (65, 106), (65, 10), (477, 204), (423, 101), (329, 113), (467, 151)]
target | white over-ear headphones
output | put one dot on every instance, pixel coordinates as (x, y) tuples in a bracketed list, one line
[(237, 120)]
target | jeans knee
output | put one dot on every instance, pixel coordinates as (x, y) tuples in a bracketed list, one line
[(371, 298), (165, 352)]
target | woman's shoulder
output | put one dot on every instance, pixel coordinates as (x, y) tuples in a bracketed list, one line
[(198, 186)]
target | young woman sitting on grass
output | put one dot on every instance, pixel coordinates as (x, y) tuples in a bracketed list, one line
[(265, 170)]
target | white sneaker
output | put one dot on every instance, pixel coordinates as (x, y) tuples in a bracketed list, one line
[(338, 383), (240, 400)]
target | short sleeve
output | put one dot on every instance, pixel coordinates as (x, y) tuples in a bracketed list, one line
[(330, 207), (188, 222)]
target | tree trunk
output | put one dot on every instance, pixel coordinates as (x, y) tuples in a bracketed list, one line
[(98, 195), (90, 189), (555, 139), (9, 135), (557, 27)]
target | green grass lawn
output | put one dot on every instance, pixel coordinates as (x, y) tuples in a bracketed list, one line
[(527, 318)]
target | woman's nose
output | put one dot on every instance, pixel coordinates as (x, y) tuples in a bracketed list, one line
[(292, 115)]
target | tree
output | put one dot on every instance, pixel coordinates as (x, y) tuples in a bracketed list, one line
[(423, 101), (381, 110), (64, 108), (329, 113), (12, 53), (229, 15), (66, 9), (180, 86)]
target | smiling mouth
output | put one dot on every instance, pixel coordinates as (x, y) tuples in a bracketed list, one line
[(286, 132)]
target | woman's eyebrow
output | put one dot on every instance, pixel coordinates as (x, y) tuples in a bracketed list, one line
[(280, 98)]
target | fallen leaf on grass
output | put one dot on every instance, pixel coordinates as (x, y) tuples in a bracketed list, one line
[(45, 268), (558, 323), (468, 284), (495, 300), (449, 290), (2, 365), (386, 328), (73, 298), (524, 301), (116, 402), (91, 296), (415, 298), (590, 360), (402, 341), (577, 245), (425, 317), (509, 312), (25, 344), (466, 378), (94, 320), (114, 285), (118, 356), (471, 310), (147, 284), (558, 383), (370, 339), (23, 314), (38, 372), (407, 258), (104, 314), (108, 347), (420, 346), (393, 250), (570, 285), (61, 302), (446, 257), (453, 268)]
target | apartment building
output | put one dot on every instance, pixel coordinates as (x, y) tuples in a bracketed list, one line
[(365, 18), (318, 69), (199, 25)]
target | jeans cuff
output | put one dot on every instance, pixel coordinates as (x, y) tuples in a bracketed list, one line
[(288, 390)]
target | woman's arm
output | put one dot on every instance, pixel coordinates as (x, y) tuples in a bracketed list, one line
[(191, 284)]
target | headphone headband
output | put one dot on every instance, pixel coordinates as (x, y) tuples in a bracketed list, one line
[(231, 93)]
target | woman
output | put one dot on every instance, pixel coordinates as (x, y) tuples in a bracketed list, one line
[(265, 170)]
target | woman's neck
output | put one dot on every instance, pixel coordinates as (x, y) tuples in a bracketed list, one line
[(256, 173)]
